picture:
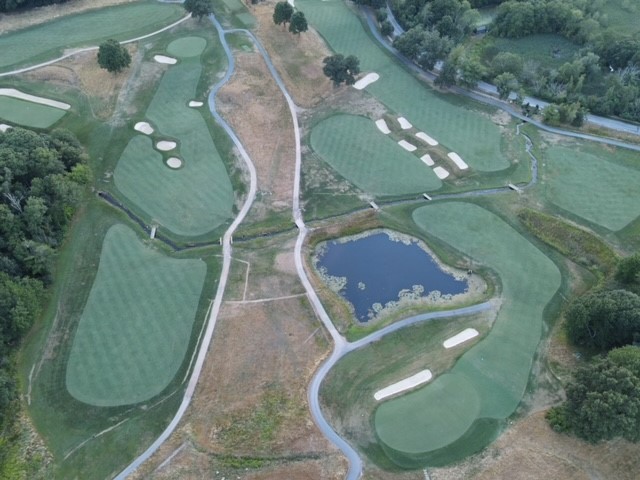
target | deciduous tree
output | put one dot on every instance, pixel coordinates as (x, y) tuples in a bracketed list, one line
[(113, 57), (298, 23), (198, 8), (282, 13), (341, 69)]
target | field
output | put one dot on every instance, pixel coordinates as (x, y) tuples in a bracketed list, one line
[(548, 50), (456, 123), (621, 15), (468, 405), (196, 198), (356, 149), (135, 328), (591, 184), (40, 43), (29, 114)]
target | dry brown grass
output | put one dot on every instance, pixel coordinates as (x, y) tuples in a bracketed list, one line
[(254, 106), (16, 21), (298, 58)]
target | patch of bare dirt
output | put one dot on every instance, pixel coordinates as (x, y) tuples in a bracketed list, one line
[(254, 106), (298, 58), (532, 450), (16, 21)]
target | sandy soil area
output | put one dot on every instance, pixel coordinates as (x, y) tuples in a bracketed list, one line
[(143, 127), (195, 104), (460, 163), (404, 123), (164, 59), (254, 106), (409, 147), (367, 80), (382, 126), (12, 92), (407, 384), (426, 138), (441, 173), (461, 337), (174, 162)]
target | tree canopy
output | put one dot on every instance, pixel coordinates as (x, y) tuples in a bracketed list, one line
[(12, 5), (282, 13), (113, 57), (298, 23), (628, 270), (198, 8), (604, 320), (341, 69)]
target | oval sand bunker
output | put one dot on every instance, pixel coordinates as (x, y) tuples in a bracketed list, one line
[(165, 59), (143, 127), (174, 162), (187, 46), (165, 145)]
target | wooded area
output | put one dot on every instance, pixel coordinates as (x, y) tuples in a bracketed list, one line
[(12, 5)]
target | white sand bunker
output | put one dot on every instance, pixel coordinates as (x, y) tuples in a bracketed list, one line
[(407, 146), (418, 379), (461, 337), (174, 162), (12, 92), (143, 127), (382, 126), (368, 79), (428, 160), (4, 127), (426, 138), (195, 104), (165, 145), (165, 59), (404, 123), (441, 173), (461, 164)]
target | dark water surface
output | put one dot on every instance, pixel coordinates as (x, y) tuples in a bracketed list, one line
[(385, 267)]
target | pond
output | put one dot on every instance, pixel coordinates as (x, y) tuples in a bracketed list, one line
[(380, 269)]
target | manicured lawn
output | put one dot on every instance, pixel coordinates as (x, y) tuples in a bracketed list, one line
[(136, 324), (489, 380), (587, 182), (121, 22), (187, 47), (29, 114), (375, 163), (454, 123), (196, 198)]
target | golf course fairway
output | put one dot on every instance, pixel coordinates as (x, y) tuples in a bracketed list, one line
[(461, 411)]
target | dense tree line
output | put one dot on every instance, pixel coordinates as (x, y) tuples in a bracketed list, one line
[(12, 5), (41, 180)]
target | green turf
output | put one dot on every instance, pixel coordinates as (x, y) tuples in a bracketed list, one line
[(187, 47), (196, 198), (136, 324), (497, 369), (590, 185), (549, 50), (454, 123), (621, 16), (29, 114), (357, 150), (121, 22)]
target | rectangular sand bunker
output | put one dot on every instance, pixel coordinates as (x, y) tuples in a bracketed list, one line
[(461, 337), (407, 146), (441, 173), (461, 164), (428, 160), (408, 383), (404, 123), (426, 138), (382, 126)]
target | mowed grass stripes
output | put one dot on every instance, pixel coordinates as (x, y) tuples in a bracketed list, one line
[(29, 114), (460, 128), (135, 328), (487, 383), (590, 185), (373, 162), (121, 22), (196, 198)]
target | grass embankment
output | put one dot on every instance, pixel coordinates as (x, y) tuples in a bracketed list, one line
[(135, 327), (43, 42), (483, 388), (462, 126), (197, 197), (357, 150), (29, 114)]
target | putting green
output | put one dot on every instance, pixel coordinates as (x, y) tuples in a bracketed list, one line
[(416, 428), (373, 162), (187, 47), (453, 122), (196, 198), (592, 186), (121, 22), (135, 327), (29, 114)]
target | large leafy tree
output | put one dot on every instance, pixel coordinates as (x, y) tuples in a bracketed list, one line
[(282, 13), (341, 69), (604, 320), (113, 57), (298, 23), (198, 8)]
